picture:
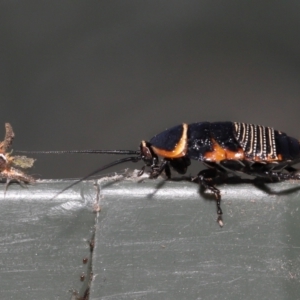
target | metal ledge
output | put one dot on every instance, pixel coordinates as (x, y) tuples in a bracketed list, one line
[(44, 240), (154, 239)]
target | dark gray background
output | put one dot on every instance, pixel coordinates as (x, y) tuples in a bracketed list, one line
[(107, 74)]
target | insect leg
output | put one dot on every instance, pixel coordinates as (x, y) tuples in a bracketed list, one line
[(284, 176), (168, 171), (157, 170), (290, 169), (141, 171), (206, 180)]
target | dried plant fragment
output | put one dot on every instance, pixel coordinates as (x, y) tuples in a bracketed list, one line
[(8, 139), (23, 162), (9, 162)]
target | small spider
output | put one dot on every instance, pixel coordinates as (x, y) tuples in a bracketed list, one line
[(8, 162)]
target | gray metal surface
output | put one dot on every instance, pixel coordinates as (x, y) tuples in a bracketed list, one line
[(153, 240), (159, 240), (43, 241)]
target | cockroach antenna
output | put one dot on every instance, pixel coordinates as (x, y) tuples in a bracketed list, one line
[(124, 152), (114, 163), (223, 147)]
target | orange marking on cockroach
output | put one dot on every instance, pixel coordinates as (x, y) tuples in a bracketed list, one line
[(268, 159), (180, 149), (218, 154), (9, 162)]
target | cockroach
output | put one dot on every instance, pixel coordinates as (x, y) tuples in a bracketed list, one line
[(223, 147), (9, 162)]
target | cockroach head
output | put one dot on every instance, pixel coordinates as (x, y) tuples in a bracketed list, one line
[(147, 154)]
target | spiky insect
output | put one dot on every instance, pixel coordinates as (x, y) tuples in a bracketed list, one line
[(223, 147), (8, 163)]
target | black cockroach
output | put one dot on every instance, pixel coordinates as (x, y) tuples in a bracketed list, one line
[(223, 147)]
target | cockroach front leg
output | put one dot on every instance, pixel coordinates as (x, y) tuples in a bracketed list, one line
[(157, 170)]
